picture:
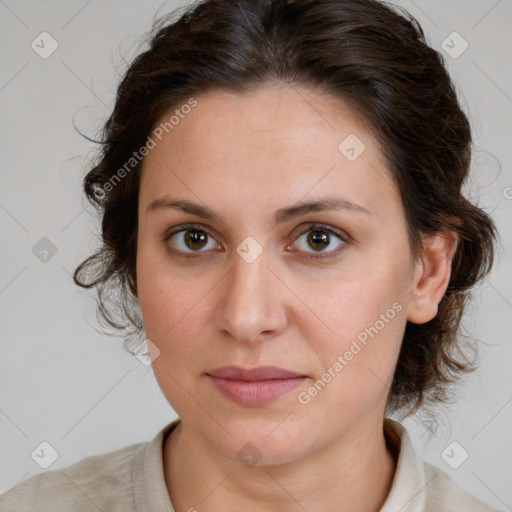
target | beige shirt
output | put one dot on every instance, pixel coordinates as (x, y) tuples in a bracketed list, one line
[(131, 479)]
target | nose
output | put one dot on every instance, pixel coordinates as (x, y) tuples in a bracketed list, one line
[(252, 302)]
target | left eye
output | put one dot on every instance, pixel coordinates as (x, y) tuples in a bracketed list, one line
[(320, 239)]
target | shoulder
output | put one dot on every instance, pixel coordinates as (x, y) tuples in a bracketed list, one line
[(444, 495), (420, 486), (98, 482)]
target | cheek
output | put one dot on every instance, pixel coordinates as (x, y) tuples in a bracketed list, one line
[(356, 299), (171, 319), (174, 316), (169, 311), (365, 315)]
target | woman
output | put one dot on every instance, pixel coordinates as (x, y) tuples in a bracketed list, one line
[(280, 190)]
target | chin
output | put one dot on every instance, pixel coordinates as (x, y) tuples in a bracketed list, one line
[(258, 442)]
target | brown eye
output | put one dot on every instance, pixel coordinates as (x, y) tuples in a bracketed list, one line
[(195, 239), (190, 239), (318, 240), (322, 239)]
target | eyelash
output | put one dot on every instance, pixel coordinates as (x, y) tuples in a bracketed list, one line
[(309, 227)]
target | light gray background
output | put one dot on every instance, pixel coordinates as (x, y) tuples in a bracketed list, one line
[(63, 382)]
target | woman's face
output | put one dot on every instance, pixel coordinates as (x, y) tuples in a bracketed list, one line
[(321, 292)]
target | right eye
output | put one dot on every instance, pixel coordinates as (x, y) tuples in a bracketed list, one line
[(190, 239)]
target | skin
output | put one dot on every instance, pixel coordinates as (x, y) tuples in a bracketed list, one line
[(246, 156)]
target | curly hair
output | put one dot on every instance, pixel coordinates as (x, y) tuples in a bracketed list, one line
[(370, 54)]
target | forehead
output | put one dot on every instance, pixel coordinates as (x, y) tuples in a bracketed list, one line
[(272, 118), (278, 142)]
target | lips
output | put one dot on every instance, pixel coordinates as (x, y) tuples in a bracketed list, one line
[(254, 374), (256, 386)]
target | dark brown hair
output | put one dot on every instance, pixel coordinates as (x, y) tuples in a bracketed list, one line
[(370, 54)]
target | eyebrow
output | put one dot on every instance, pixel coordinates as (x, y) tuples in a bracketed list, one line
[(281, 215)]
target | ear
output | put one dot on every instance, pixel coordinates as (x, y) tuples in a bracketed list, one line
[(432, 276)]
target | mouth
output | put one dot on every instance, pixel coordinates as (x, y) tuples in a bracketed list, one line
[(254, 387), (254, 374)]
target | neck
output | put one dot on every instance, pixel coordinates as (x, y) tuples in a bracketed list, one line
[(354, 474)]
